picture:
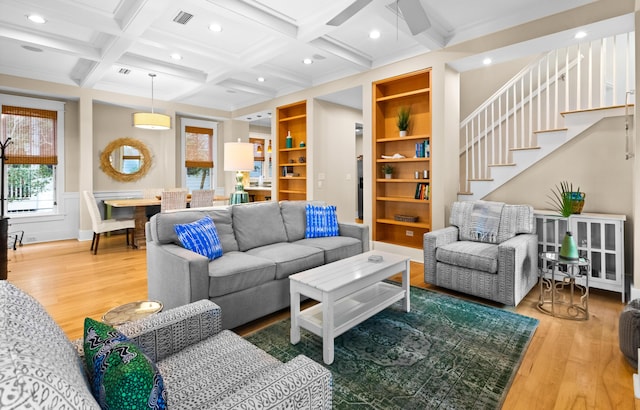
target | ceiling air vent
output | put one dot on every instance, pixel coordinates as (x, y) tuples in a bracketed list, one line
[(183, 17), (124, 71)]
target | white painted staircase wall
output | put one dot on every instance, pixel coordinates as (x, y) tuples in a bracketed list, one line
[(576, 122)]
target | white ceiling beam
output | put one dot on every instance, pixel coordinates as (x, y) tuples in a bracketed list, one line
[(51, 42), (259, 16), (287, 75), (341, 50), (248, 88), (156, 66), (135, 20)]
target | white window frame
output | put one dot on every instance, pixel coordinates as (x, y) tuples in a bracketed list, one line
[(58, 106), (191, 122), (265, 145)]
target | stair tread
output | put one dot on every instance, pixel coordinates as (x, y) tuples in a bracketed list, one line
[(465, 193), (480, 179), (523, 148), (510, 164), (595, 109), (550, 130)]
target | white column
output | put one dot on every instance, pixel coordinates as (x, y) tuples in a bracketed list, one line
[(86, 160)]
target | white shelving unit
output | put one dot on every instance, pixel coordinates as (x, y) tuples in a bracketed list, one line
[(600, 238)]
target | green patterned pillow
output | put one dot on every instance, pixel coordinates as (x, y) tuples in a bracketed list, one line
[(121, 376)]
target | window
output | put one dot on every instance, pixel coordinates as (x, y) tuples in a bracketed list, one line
[(199, 144), (262, 155), (258, 158), (35, 128)]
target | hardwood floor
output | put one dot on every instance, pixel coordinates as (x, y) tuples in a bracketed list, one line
[(568, 365)]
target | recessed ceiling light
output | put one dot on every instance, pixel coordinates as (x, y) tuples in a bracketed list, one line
[(176, 56), (580, 34), (215, 27), (261, 79), (374, 34), (486, 61), (307, 61), (34, 18)]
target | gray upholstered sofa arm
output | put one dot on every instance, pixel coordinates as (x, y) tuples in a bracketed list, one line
[(300, 383), (170, 331), (517, 266), (357, 231), (431, 241), (175, 275)]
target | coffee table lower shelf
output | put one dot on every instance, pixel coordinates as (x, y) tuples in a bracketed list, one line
[(353, 309)]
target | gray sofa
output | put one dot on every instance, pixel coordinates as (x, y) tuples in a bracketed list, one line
[(263, 243), (202, 366), (501, 267)]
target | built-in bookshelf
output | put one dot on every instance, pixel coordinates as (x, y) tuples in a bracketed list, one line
[(292, 155), (402, 203)]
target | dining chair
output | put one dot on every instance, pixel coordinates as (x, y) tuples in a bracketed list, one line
[(201, 198), (152, 193), (100, 225), (173, 199)]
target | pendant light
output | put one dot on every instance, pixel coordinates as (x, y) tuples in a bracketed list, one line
[(151, 120)]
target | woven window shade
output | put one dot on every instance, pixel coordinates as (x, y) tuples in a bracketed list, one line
[(199, 147), (32, 133)]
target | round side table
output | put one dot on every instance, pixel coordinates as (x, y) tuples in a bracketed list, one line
[(131, 311), (560, 295)]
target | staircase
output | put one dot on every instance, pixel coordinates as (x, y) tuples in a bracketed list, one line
[(550, 102)]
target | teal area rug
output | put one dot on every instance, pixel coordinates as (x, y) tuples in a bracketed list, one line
[(446, 353)]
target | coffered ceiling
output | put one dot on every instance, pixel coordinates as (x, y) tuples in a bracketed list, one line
[(113, 45)]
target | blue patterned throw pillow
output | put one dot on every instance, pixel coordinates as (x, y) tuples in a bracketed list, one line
[(321, 221), (121, 376), (200, 237)]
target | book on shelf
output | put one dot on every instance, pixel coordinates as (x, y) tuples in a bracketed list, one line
[(422, 190)]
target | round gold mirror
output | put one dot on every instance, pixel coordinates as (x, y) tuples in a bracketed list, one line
[(125, 159)]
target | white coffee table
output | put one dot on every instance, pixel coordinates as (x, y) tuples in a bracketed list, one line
[(350, 291)]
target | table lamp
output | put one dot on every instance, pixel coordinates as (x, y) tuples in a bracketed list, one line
[(238, 156)]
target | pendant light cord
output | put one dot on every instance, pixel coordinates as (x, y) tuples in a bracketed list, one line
[(152, 77)]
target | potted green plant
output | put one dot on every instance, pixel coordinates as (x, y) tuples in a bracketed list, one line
[(403, 120), (566, 200), (387, 170)]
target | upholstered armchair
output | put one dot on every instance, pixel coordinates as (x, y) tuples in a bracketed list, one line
[(489, 251)]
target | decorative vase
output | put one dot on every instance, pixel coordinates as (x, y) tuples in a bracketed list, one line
[(569, 249), (387, 176), (289, 140), (403, 133), (575, 200)]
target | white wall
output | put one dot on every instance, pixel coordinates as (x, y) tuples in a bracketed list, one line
[(334, 156)]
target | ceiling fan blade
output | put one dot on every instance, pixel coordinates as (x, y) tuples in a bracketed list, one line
[(347, 13), (414, 15)]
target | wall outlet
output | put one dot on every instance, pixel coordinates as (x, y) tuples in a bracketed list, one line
[(30, 239), (408, 233)]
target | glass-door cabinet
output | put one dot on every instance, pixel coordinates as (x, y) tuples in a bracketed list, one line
[(599, 237)]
